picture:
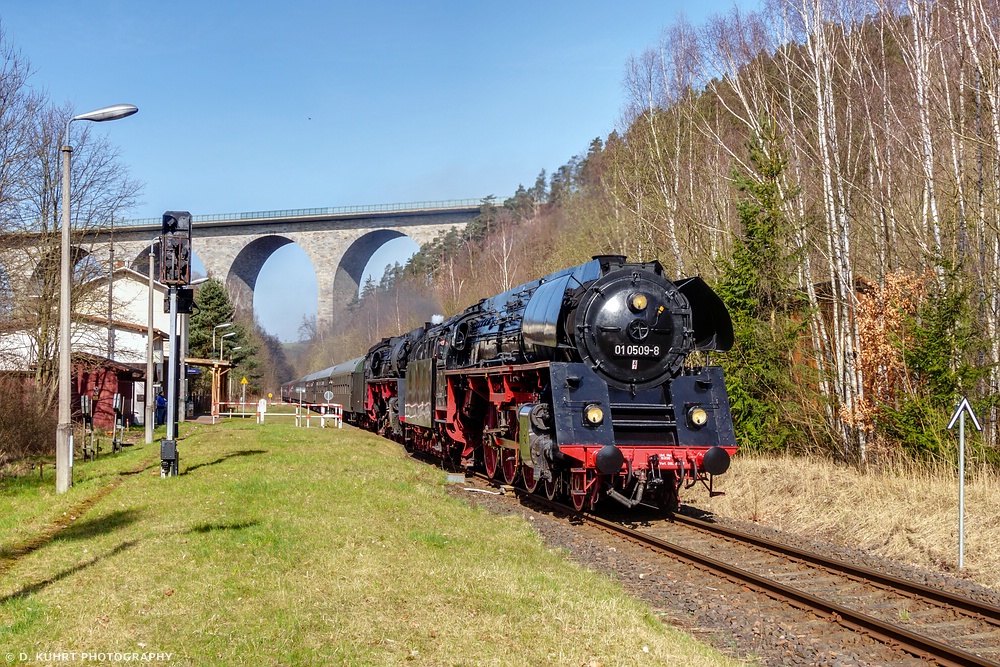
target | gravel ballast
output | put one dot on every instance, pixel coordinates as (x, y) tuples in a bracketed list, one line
[(738, 621)]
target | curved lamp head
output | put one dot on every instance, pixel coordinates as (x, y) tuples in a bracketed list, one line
[(113, 112)]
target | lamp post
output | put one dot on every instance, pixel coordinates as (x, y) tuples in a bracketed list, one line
[(111, 289), (222, 339), (218, 326), (148, 417), (243, 398), (64, 432), (229, 374)]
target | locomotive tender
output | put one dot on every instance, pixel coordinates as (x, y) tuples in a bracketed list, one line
[(582, 383)]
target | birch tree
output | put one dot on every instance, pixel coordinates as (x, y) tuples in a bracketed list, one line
[(102, 190)]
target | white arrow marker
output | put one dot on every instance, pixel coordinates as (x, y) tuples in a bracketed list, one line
[(964, 406), (959, 416)]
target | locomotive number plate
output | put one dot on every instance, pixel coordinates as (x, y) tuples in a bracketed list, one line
[(637, 350)]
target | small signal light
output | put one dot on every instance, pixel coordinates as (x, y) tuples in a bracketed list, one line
[(593, 414), (697, 417)]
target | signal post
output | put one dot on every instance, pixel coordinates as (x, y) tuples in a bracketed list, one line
[(175, 272)]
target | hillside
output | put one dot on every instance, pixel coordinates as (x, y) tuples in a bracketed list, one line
[(815, 164)]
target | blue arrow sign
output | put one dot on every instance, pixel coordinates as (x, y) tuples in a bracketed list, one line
[(964, 405)]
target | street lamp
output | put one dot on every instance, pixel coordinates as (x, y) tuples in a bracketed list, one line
[(148, 416), (111, 289), (229, 375), (218, 326), (222, 339), (64, 432), (229, 391)]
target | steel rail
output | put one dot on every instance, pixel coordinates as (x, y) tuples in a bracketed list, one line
[(981, 610), (894, 636)]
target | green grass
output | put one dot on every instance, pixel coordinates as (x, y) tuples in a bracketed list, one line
[(285, 546)]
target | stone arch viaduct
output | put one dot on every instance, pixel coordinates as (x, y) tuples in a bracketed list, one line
[(338, 241)]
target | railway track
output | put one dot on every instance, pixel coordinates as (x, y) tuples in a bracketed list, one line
[(928, 623)]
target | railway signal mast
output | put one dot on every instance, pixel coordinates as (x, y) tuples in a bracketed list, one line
[(175, 272)]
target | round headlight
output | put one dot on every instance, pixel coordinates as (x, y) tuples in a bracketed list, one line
[(593, 414), (638, 303), (697, 417)]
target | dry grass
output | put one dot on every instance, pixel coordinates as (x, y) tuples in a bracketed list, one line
[(27, 423), (908, 514)]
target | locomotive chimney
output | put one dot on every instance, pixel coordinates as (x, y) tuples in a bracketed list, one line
[(608, 262)]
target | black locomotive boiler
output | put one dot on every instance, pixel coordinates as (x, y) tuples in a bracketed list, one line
[(588, 383)]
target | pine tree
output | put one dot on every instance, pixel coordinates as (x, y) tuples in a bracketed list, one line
[(756, 287), (212, 308)]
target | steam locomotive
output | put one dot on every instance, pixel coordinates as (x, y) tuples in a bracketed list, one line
[(588, 383)]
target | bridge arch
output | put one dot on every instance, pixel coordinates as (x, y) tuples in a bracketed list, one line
[(243, 272), (339, 242), (140, 262), (50, 264), (350, 270), (338, 265)]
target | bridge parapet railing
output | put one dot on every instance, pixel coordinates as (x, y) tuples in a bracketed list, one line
[(308, 212)]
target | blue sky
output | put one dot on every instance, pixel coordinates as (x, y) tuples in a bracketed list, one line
[(252, 106)]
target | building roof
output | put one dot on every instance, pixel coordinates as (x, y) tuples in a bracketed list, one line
[(119, 324), (125, 272), (103, 362)]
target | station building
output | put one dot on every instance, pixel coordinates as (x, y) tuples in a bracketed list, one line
[(110, 332)]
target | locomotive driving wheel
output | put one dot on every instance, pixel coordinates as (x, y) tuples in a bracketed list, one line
[(530, 481), (491, 459), (578, 487), (551, 487), (508, 464)]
